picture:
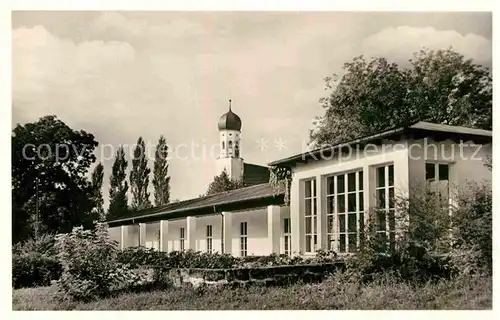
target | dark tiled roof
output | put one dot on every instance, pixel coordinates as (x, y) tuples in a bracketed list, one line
[(239, 199), (419, 128), (254, 174)]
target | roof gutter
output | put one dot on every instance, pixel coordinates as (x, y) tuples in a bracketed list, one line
[(183, 210)]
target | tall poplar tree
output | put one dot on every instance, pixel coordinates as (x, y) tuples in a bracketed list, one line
[(118, 201), (97, 178), (161, 180), (139, 177)]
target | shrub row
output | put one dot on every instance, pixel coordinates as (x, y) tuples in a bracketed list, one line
[(32, 270)]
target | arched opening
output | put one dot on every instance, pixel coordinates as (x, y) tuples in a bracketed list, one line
[(236, 149)]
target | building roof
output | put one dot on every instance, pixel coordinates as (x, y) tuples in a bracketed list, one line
[(254, 174), (240, 199), (230, 120), (418, 130)]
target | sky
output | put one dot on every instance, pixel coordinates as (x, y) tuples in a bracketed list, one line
[(121, 75)]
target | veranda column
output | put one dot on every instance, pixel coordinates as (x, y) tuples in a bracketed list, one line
[(142, 234), (191, 233), (320, 213), (123, 237), (164, 235), (227, 236), (273, 228), (297, 216)]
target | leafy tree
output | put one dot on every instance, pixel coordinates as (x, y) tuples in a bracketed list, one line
[(439, 86), (118, 201), (223, 183), (97, 178), (139, 177), (50, 190), (161, 180)]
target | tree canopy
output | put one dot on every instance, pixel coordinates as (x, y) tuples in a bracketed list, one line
[(222, 183), (50, 189), (438, 86)]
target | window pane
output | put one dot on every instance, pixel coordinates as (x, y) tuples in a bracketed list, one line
[(330, 185), (381, 198), (307, 207), (308, 243), (351, 181), (351, 222), (308, 188), (315, 206), (351, 202), (287, 225), (391, 175), (315, 225), (392, 220), (380, 176), (361, 202), (340, 184), (314, 186), (430, 171), (308, 225), (352, 242), (286, 245), (360, 177), (342, 243), (361, 221), (341, 204), (331, 242), (391, 198), (341, 222), (381, 220), (330, 202), (443, 172), (329, 225)]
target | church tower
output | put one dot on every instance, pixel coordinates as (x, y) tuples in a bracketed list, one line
[(229, 139)]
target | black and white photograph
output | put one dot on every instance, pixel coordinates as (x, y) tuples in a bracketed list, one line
[(251, 160)]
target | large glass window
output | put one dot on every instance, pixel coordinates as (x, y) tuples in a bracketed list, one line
[(287, 236), (437, 176), (243, 239), (310, 216), (344, 211), (385, 214)]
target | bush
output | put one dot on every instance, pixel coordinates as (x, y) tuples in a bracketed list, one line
[(472, 229), (34, 269), (34, 262), (90, 267), (432, 242)]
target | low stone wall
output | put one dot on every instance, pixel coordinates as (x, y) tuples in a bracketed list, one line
[(272, 275)]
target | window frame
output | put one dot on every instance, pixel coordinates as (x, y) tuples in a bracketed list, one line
[(287, 236), (243, 238), (311, 238), (182, 238), (209, 238), (389, 209), (332, 210)]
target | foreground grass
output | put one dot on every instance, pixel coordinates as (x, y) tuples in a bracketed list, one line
[(468, 293)]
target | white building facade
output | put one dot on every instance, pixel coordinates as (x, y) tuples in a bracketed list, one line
[(331, 193)]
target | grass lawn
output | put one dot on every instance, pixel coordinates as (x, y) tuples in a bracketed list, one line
[(471, 293)]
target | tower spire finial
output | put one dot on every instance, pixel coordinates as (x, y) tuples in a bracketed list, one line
[(229, 104)]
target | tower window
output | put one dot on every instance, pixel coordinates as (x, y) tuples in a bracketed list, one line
[(223, 145), (230, 144), (236, 149)]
